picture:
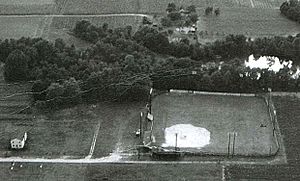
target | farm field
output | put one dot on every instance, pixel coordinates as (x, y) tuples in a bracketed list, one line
[(27, 6), (51, 28), (248, 21), (157, 6), (217, 115), (19, 26), (288, 118)]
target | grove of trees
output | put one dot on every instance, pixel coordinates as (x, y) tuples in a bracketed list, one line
[(291, 9), (122, 65)]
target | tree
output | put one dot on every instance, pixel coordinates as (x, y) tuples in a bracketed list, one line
[(174, 16), (166, 21), (191, 9), (193, 17), (146, 21), (217, 11), (208, 10), (16, 67), (171, 7)]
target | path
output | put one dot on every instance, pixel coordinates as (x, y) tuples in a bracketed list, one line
[(75, 15), (94, 141)]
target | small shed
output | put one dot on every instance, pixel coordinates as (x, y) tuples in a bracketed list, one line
[(19, 142)]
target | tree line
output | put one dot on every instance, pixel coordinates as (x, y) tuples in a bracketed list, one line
[(291, 9), (121, 65)]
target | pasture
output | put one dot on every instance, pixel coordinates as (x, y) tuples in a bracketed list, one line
[(70, 133), (27, 6), (219, 115), (17, 27), (158, 6), (250, 22)]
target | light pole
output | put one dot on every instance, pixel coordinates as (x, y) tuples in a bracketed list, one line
[(141, 117), (176, 134), (150, 100)]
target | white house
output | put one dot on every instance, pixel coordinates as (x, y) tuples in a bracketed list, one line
[(18, 143)]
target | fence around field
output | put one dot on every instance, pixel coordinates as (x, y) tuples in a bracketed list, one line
[(212, 93), (273, 117), (271, 111)]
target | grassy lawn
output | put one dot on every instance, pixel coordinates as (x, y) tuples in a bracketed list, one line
[(219, 115), (79, 172), (118, 123), (251, 22), (51, 136), (69, 132)]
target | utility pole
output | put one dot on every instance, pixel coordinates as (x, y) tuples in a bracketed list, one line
[(176, 134), (233, 146), (228, 146)]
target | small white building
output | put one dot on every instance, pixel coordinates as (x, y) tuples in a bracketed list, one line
[(18, 143)]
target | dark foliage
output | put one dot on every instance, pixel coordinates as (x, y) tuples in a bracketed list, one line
[(291, 9)]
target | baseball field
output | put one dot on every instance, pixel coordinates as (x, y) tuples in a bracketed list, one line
[(213, 124)]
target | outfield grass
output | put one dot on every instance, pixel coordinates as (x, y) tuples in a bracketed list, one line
[(219, 115), (288, 118)]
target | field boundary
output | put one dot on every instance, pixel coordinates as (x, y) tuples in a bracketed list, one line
[(273, 118), (271, 111), (212, 93)]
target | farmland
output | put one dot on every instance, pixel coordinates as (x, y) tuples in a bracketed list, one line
[(19, 27), (158, 7), (53, 27), (219, 115), (250, 22), (27, 7)]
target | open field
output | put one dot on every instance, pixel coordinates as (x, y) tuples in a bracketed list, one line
[(219, 115), (19, 27), (49, 137), (119, 6), (51, 28), (158, 6), (288, 118), (79, 172), (248, 21), (27, 6), (70, 132)]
